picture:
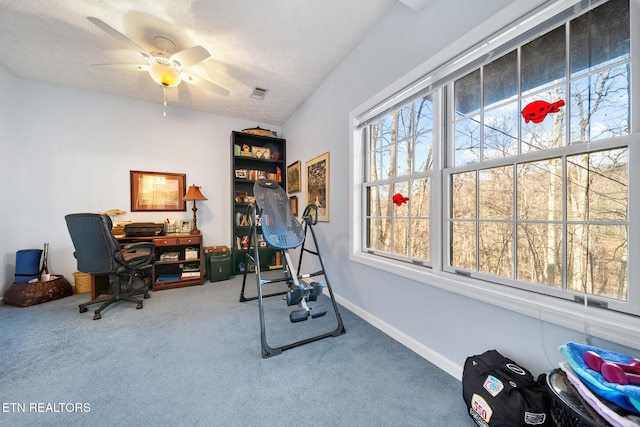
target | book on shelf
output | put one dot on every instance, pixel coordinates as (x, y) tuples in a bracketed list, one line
[(190, 274), (167, 277)]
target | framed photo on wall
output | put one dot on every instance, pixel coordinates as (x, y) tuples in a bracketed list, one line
[(157, 191), (293, 177), (293, 204), (318, 192)]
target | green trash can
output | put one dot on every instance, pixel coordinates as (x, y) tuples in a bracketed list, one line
[(218, 266)]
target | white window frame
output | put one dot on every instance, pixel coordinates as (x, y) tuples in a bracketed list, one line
[(612, 325)]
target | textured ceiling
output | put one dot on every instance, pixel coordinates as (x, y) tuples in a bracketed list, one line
[(285, 46)]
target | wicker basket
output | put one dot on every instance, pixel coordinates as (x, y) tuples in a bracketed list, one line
[(83, 282), (27, 294)]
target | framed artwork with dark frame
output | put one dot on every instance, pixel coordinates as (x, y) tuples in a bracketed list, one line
[(293, 177), (318, 185), (293, 204), (157, 191)]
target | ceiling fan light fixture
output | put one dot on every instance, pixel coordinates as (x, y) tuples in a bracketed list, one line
[(165, 75)]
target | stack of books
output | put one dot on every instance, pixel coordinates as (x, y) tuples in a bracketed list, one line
[(190, 271)]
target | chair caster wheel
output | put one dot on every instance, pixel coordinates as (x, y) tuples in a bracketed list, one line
[(139, 306), (83, 309), (97, 316)]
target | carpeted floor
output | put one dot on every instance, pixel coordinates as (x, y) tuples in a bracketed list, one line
[(192, 357)]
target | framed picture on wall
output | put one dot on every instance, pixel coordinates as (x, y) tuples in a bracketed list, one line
[(293, 204), (157, 191), (318, 185), (293, 177)]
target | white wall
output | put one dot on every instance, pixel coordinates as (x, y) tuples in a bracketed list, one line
[(443, 327), (9, 169), (70, 150)]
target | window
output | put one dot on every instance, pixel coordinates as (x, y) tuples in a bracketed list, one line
[(535, 146), (398, 189)]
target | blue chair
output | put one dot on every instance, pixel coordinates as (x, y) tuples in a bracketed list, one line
[(98, 252)]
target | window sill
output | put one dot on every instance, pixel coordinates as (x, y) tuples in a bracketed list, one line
[(620, 328)]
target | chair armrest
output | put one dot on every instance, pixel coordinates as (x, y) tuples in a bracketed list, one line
[(136, 255)]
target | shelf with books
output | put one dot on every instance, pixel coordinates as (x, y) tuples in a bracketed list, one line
[(253, 157)]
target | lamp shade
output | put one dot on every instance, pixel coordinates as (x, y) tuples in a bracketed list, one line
[(193, 193), (165, 75)]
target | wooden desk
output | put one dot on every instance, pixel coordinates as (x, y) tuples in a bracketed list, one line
[(169, 273)]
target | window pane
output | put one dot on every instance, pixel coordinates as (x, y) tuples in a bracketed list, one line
[(405, 122), (423, 152), (600, 105), (496, 193), (540, 190), (420, 198), (467, 94), (467, 141), (550, 132), (540, 254), (424, 114), (404, 157), (608, 185), (600, 36), (381, 163), (373, 201), (496, 248), (401, 237), (543, 60), (501, 79), (597, 186), (501, 132), (597, 260), (386, 129), (384, 234), (463, 245), (420, 247), (402, 189), (463, 195)]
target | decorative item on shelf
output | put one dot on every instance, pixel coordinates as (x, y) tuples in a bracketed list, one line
[(245, 150), (191, 253), (194, 194), (275, 155), (185, 226), (259, 131), (261, 152)]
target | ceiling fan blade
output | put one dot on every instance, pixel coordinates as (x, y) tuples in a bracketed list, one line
[(120, 37), (205, 84), (128, 67), (191, 56)]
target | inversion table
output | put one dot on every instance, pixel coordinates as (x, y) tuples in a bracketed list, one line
[(281, 230)]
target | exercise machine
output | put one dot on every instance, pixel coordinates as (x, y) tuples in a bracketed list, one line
[(271, 215)]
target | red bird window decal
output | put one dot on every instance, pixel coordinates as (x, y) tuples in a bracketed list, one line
[(399, 199), (537, 111)]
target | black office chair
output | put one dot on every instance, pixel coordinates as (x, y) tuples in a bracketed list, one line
[(99, 253)]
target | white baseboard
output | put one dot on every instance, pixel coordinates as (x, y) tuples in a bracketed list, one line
[(427, 353)]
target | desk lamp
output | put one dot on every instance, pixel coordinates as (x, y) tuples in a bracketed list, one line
[(193, 193)]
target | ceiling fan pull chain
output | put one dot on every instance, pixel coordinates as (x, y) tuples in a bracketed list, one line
[(164, 94)]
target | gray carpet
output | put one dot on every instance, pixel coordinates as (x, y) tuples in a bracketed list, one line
[(192, 357)]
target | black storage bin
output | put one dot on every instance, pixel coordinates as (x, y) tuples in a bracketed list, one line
[(218, 266)]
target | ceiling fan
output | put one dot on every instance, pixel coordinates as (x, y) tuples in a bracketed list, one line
[(166, 68)]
